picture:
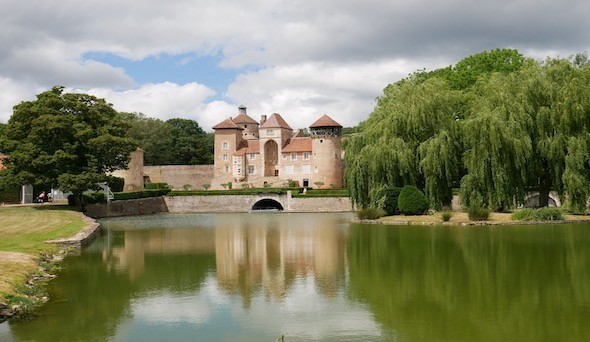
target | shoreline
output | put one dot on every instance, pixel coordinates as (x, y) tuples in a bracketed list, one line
[(32, 293)]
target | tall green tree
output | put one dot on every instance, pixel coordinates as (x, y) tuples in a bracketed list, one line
[(191, 145), (71, 140), (154, 136), (410, 138)]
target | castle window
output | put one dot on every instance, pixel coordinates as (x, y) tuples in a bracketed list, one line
[(321, 141), (293, 156), (270, 132), (306, 155), (251, 169), (227, 169), (224, 157), (305, 169), (225, 145), (289, 169), (252, 156)]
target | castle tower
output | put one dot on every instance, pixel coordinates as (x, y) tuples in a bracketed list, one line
[(274, 134), (327, 159), (249, 125), (228, 137)]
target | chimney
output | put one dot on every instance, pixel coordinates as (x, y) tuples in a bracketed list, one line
[(262, 119), (242, 109)]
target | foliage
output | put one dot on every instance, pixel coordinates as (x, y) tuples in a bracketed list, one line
[(412, 201), (370, 213), (140, 194), (94, 197), (206, 186), (11, 195), (187, 187), (386, 198), (116, 183), (71, 140), (155, 186), (447, 215), (319, 184), (477, 213), (495, 123), (172, 142), (540, 214)]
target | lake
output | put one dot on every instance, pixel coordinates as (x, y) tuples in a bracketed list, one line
[(260, 276)]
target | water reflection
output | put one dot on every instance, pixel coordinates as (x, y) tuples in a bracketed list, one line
[(254, 277), (475, 284)]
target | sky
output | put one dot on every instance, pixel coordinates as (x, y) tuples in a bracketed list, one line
[(201, 59)]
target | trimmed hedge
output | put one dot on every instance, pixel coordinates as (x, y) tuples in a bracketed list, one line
[(156, 186), (244, 191), (10, 195), (116, 183), (412, 201), (140, 194)]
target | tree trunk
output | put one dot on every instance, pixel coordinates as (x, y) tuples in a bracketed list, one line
[(544, 186)]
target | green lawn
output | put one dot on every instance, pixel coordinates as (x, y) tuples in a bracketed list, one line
[(23, 230)]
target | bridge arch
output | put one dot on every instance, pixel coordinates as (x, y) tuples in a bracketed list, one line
[(267, 204)]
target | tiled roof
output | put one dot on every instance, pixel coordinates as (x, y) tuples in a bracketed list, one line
[(226, 124), (325, 121), (253, 146), (275, 121), (244, 119), (298, 145)]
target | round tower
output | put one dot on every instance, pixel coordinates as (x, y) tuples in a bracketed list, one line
[(327, 156)]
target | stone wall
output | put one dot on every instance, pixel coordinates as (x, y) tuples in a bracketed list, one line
[(244, 203), (142, 206), (178, 175)]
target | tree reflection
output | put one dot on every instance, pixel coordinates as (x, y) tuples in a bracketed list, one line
[(475, 284)]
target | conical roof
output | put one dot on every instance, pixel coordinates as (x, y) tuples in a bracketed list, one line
[(244, 119), (325, 121), (275, 121)]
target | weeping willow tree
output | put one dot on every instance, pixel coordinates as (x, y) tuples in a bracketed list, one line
[(500, 123), (411, 138)]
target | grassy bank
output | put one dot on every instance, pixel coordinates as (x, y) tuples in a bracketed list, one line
[(23, 232), (460, 217)]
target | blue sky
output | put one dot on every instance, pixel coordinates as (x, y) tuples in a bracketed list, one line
[(200, 59)]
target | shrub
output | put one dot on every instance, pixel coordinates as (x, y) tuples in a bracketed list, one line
[(187, 187), (93, 197), (156, 186), (411, 201), (387, 198), (206, 186), (245, 186), (370, 213), (140, 194), (477, 213), (319, 184), (446, 216), (115, 183), (541, 214)]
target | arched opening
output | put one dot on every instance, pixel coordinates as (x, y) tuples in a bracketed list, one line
[(271, 158), (267, 204), (533, 202)]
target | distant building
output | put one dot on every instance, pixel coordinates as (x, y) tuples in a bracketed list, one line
[(249, 152)]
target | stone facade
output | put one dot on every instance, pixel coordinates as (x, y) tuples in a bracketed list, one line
[(178, 175), (134, 174), (251, 152)]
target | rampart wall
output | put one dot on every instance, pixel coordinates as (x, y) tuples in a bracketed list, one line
[(178, 175)]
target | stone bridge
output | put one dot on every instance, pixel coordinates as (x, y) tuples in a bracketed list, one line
[(531, 199)]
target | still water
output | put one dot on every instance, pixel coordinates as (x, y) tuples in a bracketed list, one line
[(256, 277)]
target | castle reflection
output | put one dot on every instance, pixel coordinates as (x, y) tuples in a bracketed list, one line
[(253, 252)]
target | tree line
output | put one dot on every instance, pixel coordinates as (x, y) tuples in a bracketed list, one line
[(495, 125), (72, 141)]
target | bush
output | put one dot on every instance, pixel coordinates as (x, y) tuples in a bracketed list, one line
[(386, 198), (187, 187), (446, 216), (10, 195), (115, 183), (140, 194), (476, 213), (93, 197), (541, 214), (370, 213), (206, 186), (411, 201), (156, 186)]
